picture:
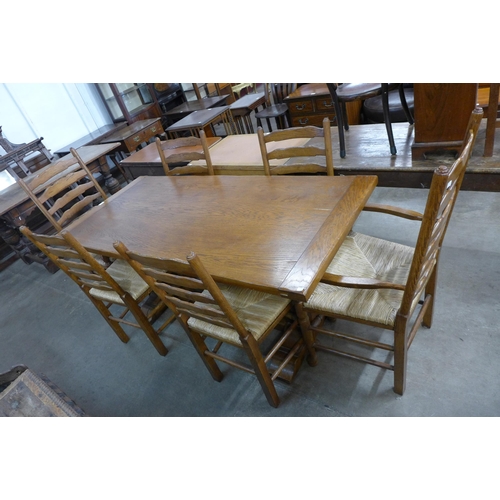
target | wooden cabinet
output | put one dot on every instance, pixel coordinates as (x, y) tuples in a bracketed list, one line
[(129, 102), (311, 103)]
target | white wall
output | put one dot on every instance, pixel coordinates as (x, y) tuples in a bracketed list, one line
[(59, 112)]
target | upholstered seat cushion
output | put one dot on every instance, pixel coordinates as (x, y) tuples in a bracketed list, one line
[(256, 310), (364, 256), (126, 277)]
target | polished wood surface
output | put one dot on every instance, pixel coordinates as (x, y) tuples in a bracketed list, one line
[(132, 136), (243, 107), (203, 119), (274, 234), (189, 107), (442, 111)]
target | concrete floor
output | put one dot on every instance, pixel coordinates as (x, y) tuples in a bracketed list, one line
[(49, 325)]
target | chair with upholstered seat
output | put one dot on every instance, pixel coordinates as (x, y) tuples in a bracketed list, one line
[(349, 92), (384, 284), (276, 108), (229, 316), (118, 285), (282, 145), (63, 190), (185, 150)]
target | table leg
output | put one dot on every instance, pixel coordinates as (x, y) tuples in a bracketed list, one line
[(109, 181)]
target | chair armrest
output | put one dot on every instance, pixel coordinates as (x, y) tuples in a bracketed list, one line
[(392, 210), (351, 282)]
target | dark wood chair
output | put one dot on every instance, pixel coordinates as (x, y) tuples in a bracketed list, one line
[(63, 190), (228, 316), (384, 284), (348, 92), (181, 151), (117, 285), (275, 107), (282, 145)]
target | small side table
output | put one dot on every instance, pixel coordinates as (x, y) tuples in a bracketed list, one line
[(203, 119), (243, 107)]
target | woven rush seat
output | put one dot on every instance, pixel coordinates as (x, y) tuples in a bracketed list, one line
[(127, 278), (256, 310), (364, 256)]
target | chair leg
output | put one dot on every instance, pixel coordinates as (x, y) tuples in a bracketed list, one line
[(406, 109), (107, 315), (387, 120), (255, 356), (430, 289), (340, 127), (305, 327), (146, 326), (400, 356)]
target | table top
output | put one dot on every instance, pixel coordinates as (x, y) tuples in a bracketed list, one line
[(198, 119), (14, 195), (249, 101), (130, 130), (190, 106), (277, 234), (308, 90), (149, 156)]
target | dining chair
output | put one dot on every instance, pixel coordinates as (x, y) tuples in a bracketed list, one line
[(182, 151), (276, 108), (383, 284), (229, 316), (289, 143), (348, 92), (118, 285), (63, 190)]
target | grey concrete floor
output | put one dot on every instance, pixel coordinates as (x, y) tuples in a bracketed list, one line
[(48, 324)]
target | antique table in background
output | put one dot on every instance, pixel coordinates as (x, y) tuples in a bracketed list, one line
[(189, 107), (242, 108), (132, 136), (147, 160), (275, 234), (203, 119), (16, 205)]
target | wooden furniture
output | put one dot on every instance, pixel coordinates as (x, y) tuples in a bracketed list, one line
[(185, 109), (147, 160), (276, 108), (94, 137), (23, 393), (384, 284), (263, 232), (242, 109), (16, 153), (133, 136), (488, 99), (129, 102), (307, 154), (203, 119), (117, 285), (17, 208), (442, 112), (63, 190), (352, 92), (228, 315), (185, 150)]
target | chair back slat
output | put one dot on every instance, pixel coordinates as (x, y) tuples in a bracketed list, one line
[(51, 171), (293, 152), (78, 208), (174, 281), (68, 182), (443, 192), (185, 156)]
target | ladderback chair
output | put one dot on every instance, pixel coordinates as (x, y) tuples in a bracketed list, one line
[(349, 92), (227, 315), (63, 190), (293, 143), (276, 108), (384, 284), (185, 150), (117, 285)]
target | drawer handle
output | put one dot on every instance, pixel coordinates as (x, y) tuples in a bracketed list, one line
[(300, 107), (303, 121), (137, 138), (153, 129), (328, 105)]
